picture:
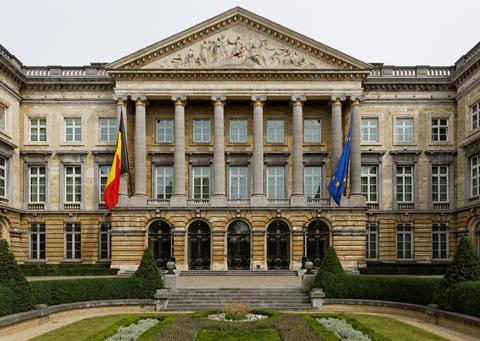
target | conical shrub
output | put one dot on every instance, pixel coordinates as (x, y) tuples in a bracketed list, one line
[(328, 274), (147, 278)]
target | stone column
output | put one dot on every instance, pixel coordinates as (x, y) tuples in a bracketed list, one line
[(123, 192), (179, 197), (258, 194), (297, 198), (356, 197), (336, 131), (219, 197), (140, 197)]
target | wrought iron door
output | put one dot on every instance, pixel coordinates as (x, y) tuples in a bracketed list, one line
[(278, 246), (199, 246), (238, 246), (317, 242), (160, 243)]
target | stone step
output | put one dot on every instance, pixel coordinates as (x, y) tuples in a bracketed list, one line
[(306, 307), (239, 273)]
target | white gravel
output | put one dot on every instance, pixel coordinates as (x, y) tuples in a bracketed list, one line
[(248, 317)]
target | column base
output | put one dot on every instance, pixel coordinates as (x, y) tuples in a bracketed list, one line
[(138, 200), (357, 200), (258, 200), (178, 200), (123, 200), (218, 200), (298, 200)]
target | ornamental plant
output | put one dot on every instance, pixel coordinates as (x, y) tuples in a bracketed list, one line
[(147, 278), (237, 311), (328, 273)]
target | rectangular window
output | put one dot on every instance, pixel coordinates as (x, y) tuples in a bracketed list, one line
[(404, 129), (439, 184), (475, 115), (201, 131), (238, 131), (404, 241), (440, 130), (312, 131), (275, 131), (37, 241), (38, 130), (105, 241), (238, 182), (370, 183), (73, 243), (369, 130), (275, 182), (73, 184), (73, 130), (163, 182), (3, 177), (37, 183), (164, 131), (404, 183), (3, 117), (372, 241), (474, 176), (201, 182), (312, 182), (108, 130), (103, 172), (439, 241)]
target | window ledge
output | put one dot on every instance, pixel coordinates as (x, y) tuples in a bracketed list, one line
[(106, 143), (69, 261), (36, 144), (35, 261), (71, 144)]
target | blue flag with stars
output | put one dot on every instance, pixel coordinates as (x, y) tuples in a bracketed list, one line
[(339, 179)]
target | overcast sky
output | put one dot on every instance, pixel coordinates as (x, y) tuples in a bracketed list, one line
[(401, 32)]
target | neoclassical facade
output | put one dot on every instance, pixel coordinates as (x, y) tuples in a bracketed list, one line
[(234, 128)]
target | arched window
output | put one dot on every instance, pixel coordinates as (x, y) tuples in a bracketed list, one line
[(278, 246), (199, 246), (160, 243), (238, 236), (316, 242)]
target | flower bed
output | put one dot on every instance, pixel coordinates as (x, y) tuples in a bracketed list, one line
[(242, 318), (343, 329), (134, 330)]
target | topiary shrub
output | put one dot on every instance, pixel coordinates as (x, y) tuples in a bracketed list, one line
[(465, 298), (147, 278), (329, 270)]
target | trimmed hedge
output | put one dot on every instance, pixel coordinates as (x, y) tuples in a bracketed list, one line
[(465, 298), (67, 269), (415, 269), (6, 301)]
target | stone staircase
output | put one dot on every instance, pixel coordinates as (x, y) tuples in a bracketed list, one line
[(239, 273)]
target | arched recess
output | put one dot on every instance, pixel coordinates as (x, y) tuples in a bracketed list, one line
[(238, 249), (317, 240), (199, 245), (278, 246), (160, 242)]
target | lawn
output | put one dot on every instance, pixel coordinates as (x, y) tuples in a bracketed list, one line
[(235, 335)]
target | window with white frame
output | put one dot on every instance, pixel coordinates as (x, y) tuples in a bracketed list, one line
[(103, 172), (238, 182), (37, 241), (38, 130), (404, 183), (474, 176), (275, 131), (163, 182), (439, 130), (73, 184), (73, 130), (312, 130), (164, 129), (105, 252), (201, 182), (370, 183), (404, 129), (404, 241), (275, 182), (238, 131), (312, 182), (475, 111), (37, 184), (201, 130), (108, 130), (3, 117), (369, 130), (73, 242), (440, 240), (3, 177), (440, 183), (372, 241)]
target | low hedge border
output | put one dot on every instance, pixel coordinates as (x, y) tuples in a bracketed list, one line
[(100, 269), (465, 298)]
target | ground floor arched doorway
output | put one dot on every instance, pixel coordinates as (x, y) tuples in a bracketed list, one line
[(316, 242), (199, 238), (238, 250), (278, 246), (160, 243)]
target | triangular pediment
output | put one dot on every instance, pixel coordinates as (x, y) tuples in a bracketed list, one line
[(238, 39)]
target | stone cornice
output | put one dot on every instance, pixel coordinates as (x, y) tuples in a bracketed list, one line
[(467, 64), (407, 85), (84, 84)]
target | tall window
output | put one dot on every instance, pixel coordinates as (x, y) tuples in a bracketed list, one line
[(369, 129), (108, 129), (37, 184), (312, 131), (3, 177), (238, 131), (103, 172), (201, 130), (3, 117), (475, 115), (73, 243), (312, 182), (163, 182), (105, 241), (404, 241), (404, 129), (164, 130), (372, 241), (38, 130), (73, 130), (439, 240), (275, 182), (238, 182), (474, 175), (439, 184), (404, 183), (440, 130), (201, 182), (275, 131), (73, 184), (370, 183), (37, 241)]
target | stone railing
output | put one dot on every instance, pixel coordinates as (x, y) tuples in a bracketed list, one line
[(158, 202), (94, 70), (198, 202), (36, 206), (372, 205), (441, 205), (318, 202), (278, 202), (238, 202), (406, 206), (71, 206), (419, 71)]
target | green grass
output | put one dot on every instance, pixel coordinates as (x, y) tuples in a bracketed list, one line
[(269, 334)]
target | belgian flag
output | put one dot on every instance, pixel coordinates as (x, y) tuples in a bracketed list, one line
[(119, 166)]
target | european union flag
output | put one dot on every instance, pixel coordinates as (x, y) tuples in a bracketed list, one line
[(339, 179)]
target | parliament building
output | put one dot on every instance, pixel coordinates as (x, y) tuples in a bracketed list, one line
[(234, 129)]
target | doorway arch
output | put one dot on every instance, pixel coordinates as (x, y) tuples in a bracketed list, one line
[(238, 246), (160, 243), (317, 240), (199, 239), (278, 246)]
